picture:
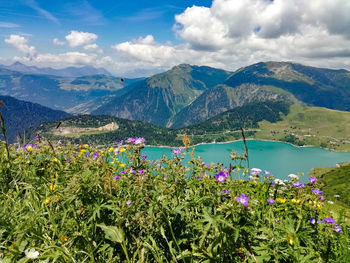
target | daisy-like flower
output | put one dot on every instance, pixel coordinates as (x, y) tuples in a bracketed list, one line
[(243, 199), (31, 253), (293, 176)]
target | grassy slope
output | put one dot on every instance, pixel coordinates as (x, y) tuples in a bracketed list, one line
[(313, 125)]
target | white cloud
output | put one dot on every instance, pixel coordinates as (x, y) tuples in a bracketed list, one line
[(76, 38), (236, 33), (93, 48), (42, 11), (57, 42), (21, 43)]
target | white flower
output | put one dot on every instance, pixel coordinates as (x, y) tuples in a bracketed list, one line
[(331, 202), (279, 182), (293, 176), (337, 196), (32, 253)]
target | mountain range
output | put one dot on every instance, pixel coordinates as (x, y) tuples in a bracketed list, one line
[(21, 116), (64, 72)]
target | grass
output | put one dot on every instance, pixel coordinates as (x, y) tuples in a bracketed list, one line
[(311, 126)]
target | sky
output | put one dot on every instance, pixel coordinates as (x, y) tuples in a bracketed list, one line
[(136, 38)]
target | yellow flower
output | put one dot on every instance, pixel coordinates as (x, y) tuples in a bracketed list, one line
[(63, 238), (82, 150), (295, 201), (52, 187), (122, 150), (102, 152), (110, 149), (47, 201), (290, 240), (28, 162), (29, 148), (85, 145), (111, 163), (54, 159), (122, 165), (281, 200), (80, 154)]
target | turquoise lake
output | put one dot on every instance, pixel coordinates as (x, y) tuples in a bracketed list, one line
[(281, 159)]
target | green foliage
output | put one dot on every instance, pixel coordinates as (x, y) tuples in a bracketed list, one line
[(78, 204)]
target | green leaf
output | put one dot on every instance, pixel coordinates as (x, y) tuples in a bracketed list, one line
[(113, 233)]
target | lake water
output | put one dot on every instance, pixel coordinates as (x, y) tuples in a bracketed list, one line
[(281, 159)]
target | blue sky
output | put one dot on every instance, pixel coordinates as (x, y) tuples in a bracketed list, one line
[(142, 37)]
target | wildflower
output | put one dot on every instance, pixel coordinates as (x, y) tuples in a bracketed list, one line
[(329, 220), (110, 149), (295, 201), (243, 199), (297, 184), (63, 239), (85, 145), (31, 253), (312, 220), (290, 240), (336, 196), (225, 192), (331, 202), (270, 201), (144, 156), (123, 172), (117, 177), (122, 165), (132, 170), (139, 140), (220, 177), (120, 143), (122, 150), (52, 187), (317, 191), (279, 182), (140, 171), (322, 198), (68, 160), (293, 176), (54, 159), (255, 171), (281, 200), (278, 220), (128, 203), (95, 155), (337, 229), (36, 138), (267, 172), (47, 201), (312, 179)]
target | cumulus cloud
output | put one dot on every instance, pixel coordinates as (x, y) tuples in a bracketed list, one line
[(235, 33), (21, 43), (57, 42), (76, 38), (93, 48)]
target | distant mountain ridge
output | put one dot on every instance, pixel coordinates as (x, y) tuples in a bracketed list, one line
[(72, 94), (22, 115), (63, 72)]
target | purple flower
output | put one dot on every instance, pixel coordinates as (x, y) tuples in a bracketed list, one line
[(36, 138), (87, 155), (297, 184), (120, 143), (165, 177), (116, 177), (278, 220), (94, 156), (338, 229), (322, 198), (67, 159), (220, 177), (270, 201), (312, 179), (243, 199), (116, 151), (128, 203), (130, 140), (317, 191), (203, 163), (132, 170), (139, 140), (255, 171), (144, 156), (266, 172), (312, 220), (225, 192), (123, 172), (302, 186), (329, 220), (140, 171)]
